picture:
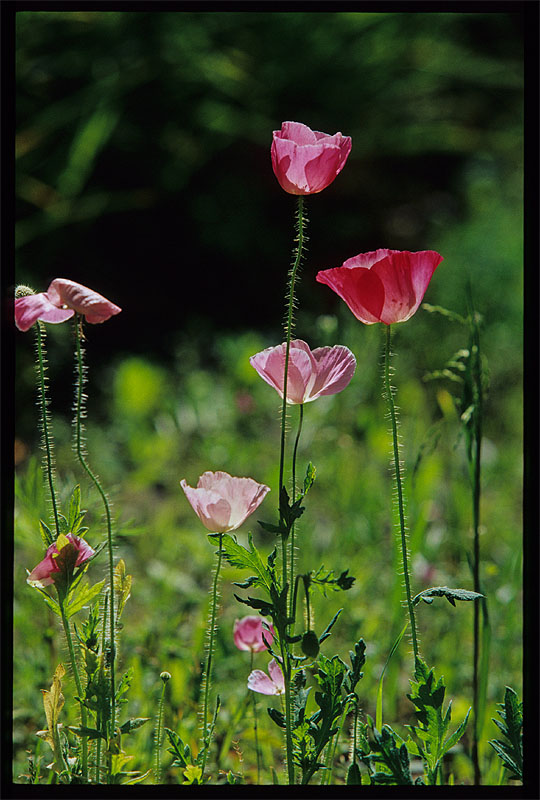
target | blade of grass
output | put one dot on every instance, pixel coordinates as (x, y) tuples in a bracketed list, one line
[(378, 713)]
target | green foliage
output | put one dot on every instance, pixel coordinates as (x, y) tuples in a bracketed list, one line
[(451, 595), (429, 734), (510, 749), (393, 758)]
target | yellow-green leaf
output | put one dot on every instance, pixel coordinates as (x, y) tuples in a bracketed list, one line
[(122, 585)]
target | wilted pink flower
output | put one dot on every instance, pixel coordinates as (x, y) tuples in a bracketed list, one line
[(38, 306), (383, 286), (248, 634), (60, 563), (222, 502), (326, 370), (306, 161), (259, 681), (94, 306)]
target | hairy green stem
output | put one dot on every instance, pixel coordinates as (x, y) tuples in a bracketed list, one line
[(255, 725), (289, 324), (298, 432), (210, 656), (389, 392), (165, 677), (476, 461), (288, 732), (78, 684), (42, 390), (79, 447)]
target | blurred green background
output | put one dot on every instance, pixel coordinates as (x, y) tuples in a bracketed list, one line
[(143, 171)]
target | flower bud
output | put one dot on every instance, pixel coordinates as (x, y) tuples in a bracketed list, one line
[(23, 291), (165, 676)]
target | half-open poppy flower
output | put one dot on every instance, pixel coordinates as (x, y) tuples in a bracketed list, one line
[(222, 502)]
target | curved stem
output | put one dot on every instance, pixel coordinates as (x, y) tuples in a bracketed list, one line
[(389, 391), (78, 684), (298, 432), (209, 659), (40, 347), (79, 447)]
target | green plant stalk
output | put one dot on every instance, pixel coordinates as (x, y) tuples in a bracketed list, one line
[(209, 658), (301, 220), (399, 487), (289, 324), (476, 480), (79, 447), (255, 726), (99, 721), (159, 734), (298, 432), (42, 391), (331, 750), (78, 684)]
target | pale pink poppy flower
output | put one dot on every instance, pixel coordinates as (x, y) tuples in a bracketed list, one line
[(94, 306), (385, 285), (259, 681), (56, 561), (306, 161), (38, 306), (222, 502), (311, 374), (248, 634)]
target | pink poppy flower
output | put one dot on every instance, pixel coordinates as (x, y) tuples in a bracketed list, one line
[(385, 285), (248, 634), (311, 374), (73, 552), (222, 502), (306, 161), (94, 306), (259, 681), (38, 306)]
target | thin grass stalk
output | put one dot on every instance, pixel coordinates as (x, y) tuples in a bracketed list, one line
[(206, 740), (397, 473), (44, 403), (80, 413), (78, 684)]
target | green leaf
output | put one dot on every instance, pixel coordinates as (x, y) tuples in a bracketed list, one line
[(277, 716), (90, 733), (510, 750), (74, 507), (122, 585), (243, 558), (326, 633), (443, 591), (82, 596), (132, 724), (309, 479), (354, 776), (387, 754), (63, 524), (46, 534)]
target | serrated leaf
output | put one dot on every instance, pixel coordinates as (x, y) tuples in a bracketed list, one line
[(277, 716), (239, 556), (74, 507), (82, 596), (46, 534), (122, 586), (63, 525), (309, 479), (326, 633), (444, 591), (271, 528), (90, 733), (53, 702), (259, 605)]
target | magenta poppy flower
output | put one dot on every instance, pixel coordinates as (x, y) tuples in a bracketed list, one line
[(94, 306), (222, 502), (385, 285), (248, 634), (311, 374), (259, 681), (57, 563), (306, 161), (38, 306)]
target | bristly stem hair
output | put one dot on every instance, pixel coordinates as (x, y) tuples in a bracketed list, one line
[(44, 403), (80, 413), (398, 478)]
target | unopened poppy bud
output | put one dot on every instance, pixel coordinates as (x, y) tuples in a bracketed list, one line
[(165, 676), (23, 291)]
